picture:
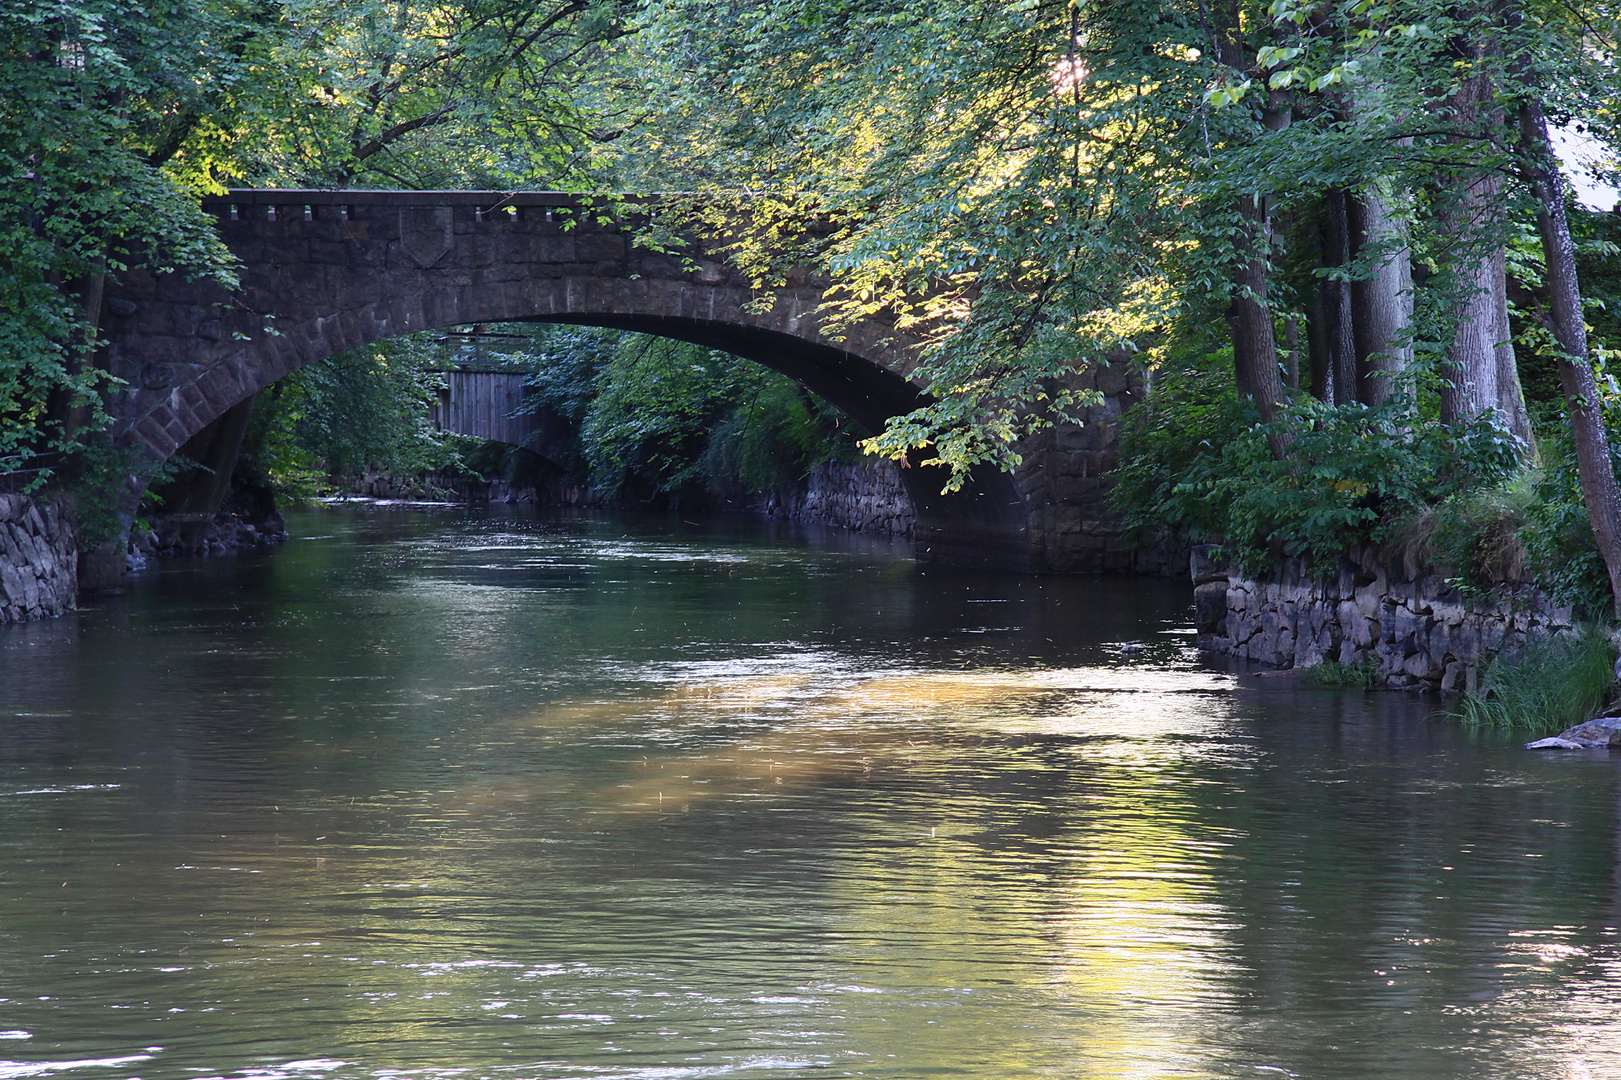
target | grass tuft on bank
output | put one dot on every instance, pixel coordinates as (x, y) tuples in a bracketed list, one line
[(1548, 686), (1335, 673)]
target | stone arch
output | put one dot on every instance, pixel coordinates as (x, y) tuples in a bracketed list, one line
[(325, 272)]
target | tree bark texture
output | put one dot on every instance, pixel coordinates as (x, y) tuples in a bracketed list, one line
[(1321, 371), (1469, 369), (1255, 347), (1510, 393), (1381, 297), (1479, 372), (1336, 297)]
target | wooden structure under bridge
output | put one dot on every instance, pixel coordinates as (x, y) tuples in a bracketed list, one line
[(494, 404)]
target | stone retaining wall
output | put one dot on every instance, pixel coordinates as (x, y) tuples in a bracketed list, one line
[(865, 497), (1418, 632), (1067, 476), (226, 533), (39, 558)]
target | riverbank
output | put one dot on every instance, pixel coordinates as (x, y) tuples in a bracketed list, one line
[(1410, 627), (867, 496)]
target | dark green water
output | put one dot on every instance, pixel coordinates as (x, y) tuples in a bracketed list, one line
[(429, 795)]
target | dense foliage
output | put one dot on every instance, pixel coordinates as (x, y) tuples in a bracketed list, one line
[(1081, 171), (673, 421), (1197, 461), (1317, 226), (115, 117), (84, 88), (328, 425), (1550, 685), (650, 421)]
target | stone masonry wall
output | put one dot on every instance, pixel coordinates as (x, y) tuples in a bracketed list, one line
[(1418, 631), (865, 497), (39, 558), (1067, 475)]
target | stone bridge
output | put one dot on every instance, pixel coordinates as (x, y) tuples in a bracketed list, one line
[(327, 271)]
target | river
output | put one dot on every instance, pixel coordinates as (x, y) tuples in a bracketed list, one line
[(457, 794)]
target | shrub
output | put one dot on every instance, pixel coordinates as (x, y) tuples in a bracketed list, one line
[(1473, 537), (1196, 460), (1560, 553)]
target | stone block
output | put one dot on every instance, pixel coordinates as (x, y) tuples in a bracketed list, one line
[(291, 252), (1242, 627), (1209, 605), (1434, 588), (1076, 437), (1309, 652), (1452, 677), (1354, 626), (1112, 378), (1088, 490), (1602, 732), (1554, 743), (1420, 666), (12, 534), (1203, 565), (1278, 634), (11, 583), (1057, 463), (30, 592)]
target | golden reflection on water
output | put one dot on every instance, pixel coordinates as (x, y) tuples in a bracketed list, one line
[(1119, 936)]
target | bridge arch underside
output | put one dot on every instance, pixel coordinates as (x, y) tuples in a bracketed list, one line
[(984, 525)]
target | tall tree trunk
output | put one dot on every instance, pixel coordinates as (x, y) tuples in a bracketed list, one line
[(1322, 371), (1381, 297), (1510, 394), (1470, 366), (1255, 347), (1473, 367), (1242, 363), (1336, 297), (1593, 464)]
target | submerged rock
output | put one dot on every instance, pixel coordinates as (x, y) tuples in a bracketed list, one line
[(1555, 743), (1603, 731)]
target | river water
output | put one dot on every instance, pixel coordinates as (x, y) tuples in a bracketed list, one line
[(434, 794)]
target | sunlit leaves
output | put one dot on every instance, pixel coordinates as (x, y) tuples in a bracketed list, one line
[(997, 177)]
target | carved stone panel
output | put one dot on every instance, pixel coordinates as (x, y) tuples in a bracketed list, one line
[(425, 233)]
